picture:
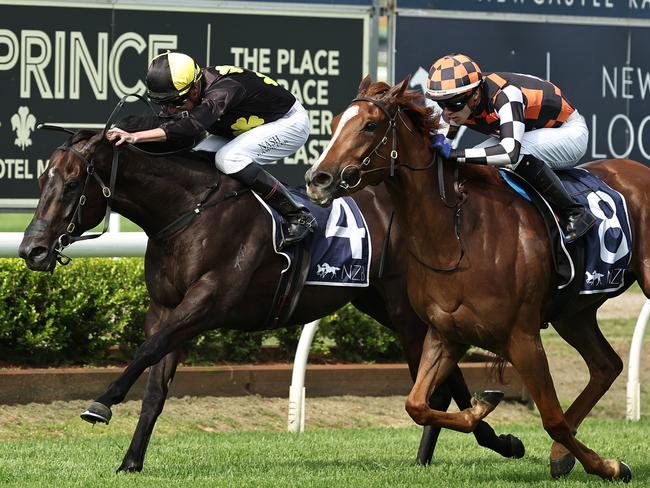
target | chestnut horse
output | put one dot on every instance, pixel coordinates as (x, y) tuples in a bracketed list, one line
[(206, 274), (480, 269)]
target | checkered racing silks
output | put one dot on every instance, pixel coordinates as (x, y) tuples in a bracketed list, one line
[(512, 104)]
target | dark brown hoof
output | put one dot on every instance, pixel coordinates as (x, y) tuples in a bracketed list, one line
[(97, 412), (129, 467), (493, 397), (626, 473), (563, 466), (514, 447)]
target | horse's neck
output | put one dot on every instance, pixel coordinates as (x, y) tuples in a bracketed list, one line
[(430, 224), (152, 192)]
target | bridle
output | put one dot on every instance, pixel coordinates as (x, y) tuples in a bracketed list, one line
[(392, 127), (67, 238), (108, 191), (460, 194)]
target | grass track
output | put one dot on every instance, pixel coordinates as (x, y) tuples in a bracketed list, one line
[(345, 458)]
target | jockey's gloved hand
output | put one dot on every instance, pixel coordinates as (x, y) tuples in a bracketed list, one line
[(440, 144)]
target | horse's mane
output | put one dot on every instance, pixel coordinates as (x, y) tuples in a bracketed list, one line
[(81, 135), (182, 158), (411, 101)]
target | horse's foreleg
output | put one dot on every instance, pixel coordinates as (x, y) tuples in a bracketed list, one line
[(192, 316), (582, 332), (527, 355), (438, 360), (160, 378)]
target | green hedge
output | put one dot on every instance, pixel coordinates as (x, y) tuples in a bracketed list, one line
[(81, 313)]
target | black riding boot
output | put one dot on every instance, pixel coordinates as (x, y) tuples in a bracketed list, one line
[(575, 219), (298, 220)]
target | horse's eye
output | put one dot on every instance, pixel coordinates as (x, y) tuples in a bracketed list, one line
[(71, 185), (370, 127)]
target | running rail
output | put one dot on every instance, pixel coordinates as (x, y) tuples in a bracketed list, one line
[(634, 366), (296, 421), (112, 244)]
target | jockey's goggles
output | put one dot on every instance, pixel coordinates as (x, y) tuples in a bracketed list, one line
[(177, 102), (457, 103)]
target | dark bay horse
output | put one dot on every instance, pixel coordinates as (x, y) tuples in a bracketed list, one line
[(207, 274), (480, 269)]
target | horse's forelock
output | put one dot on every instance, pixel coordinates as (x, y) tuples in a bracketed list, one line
[(411, 101), (377, 89)]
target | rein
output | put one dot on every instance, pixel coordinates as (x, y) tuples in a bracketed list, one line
[(461, 195), (187, 218)]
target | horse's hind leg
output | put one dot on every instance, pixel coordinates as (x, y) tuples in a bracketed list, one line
[(527, 355), (438, 360), (160, 378), (582, 332)]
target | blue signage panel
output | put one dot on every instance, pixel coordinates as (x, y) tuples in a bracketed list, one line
[(54, 72), (633, 9), (592, 69)]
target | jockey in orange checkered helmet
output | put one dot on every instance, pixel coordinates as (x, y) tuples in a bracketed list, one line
[(532, 127)]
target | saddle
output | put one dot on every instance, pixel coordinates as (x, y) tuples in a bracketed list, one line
[(568, 259), (595, 263)]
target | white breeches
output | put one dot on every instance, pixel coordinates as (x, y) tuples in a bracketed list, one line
[(559, 147), (263, 144)]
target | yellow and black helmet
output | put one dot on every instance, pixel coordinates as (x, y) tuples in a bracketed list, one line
[(452, 75), (171, 76)]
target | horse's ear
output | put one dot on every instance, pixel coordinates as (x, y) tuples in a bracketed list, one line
[(401, 88), (363, 86), (396, 92)]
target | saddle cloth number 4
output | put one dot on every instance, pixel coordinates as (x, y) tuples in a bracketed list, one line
[(349, 230)]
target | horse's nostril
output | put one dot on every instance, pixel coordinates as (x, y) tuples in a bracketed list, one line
[(37, 253), (322, 179)]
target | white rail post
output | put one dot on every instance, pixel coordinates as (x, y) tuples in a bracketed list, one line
[(634, 366), (296, 421), (114, 223)]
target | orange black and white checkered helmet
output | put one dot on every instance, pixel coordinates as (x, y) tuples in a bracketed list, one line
[(452, 75)]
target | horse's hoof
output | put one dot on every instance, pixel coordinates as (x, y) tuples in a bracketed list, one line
[(515, 448), (562, 466), (493, 397), (129, 467), (625, 473), (97, 412), (422, 461)]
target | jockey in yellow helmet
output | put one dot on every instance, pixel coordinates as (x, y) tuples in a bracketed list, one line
[(251, 120)]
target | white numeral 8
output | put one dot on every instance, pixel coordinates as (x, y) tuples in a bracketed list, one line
[(606, 224)]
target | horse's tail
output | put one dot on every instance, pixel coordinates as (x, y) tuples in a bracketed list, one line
[(498, 368)]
